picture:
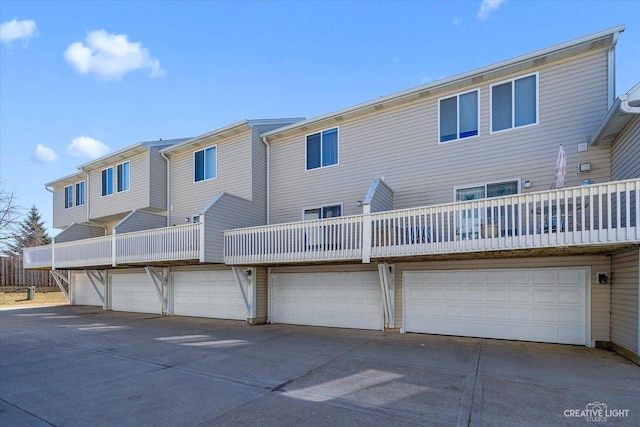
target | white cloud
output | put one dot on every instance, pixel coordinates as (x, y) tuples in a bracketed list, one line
[(15, 30), (110, 56), (45, 154), (85, 146), (486, 7)]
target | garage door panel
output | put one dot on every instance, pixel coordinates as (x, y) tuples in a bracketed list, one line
[(83, 292), (350, 300), (549, 306), (134, 293), (212, 293)]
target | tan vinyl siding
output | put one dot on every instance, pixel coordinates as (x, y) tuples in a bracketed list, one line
[(262, 294), (259, 168), (625, 286), (62, 218), (625, 152), (599, 293), (234, 176), (401, 144), (226, 213), (109, 225), (137, 197), (157, 181), (141, 220)]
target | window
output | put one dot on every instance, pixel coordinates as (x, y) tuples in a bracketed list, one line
[(514, 103), (323, 212), (122, 171), (459, 116), (68, 196), (322, 149), (107, 181), (205, 164), (80, 193), (494, 189), (470, 221)]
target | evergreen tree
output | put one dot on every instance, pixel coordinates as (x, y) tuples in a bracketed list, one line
[(31, 232)]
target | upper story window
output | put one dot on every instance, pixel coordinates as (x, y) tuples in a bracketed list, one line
[(68, 196), (322, 149), (459, 116), (331, 211), (80, 193), (514, 103), (107, 181), (205, 164), (122, 171)]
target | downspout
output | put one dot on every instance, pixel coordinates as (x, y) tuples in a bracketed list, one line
[(268, 207), (611, 63), (168, 191)]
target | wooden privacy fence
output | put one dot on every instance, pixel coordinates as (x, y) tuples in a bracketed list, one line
[(12, 273)]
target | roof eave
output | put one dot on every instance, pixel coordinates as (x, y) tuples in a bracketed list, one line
[(556, 52), (122, 154)]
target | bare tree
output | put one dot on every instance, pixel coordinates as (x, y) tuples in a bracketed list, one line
[(9, 213)]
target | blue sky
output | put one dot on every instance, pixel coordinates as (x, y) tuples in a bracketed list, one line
[(81, 79)]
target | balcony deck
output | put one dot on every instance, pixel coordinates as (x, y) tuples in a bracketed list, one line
[(162, 245), (580, 219)]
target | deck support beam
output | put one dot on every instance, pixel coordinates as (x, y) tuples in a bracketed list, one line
[(60, 279), (387, 287), (161, 284), (98, 280), (246, 278)]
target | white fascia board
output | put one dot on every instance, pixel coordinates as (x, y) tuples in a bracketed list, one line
[(116, 155), (69, 179), (425, 90), (232, 129)]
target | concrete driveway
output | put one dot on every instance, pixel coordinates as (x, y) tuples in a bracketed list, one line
[(82, 366)]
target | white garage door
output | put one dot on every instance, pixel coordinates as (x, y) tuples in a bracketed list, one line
[(135, 293), (84, 292), (544, 305), (208, 294), (346, 300)]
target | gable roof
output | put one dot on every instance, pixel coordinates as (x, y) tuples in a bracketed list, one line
[(599, 40), (128, 152), (226, 131), (619, 115)]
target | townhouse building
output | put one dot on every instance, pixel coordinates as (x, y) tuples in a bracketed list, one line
[(442, 209)]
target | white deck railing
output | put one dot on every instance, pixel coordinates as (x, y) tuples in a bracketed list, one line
[(38, 256), (591, 215), (163, 244), (334, 238), (81, 253)]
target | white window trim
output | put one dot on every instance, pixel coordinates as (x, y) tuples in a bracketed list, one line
[(324, 205), (84, 190), (513, 110), (457, 95), (485, 184), (113, 178), (65, 196), (193, 170), (337, 128), (116, 180)]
